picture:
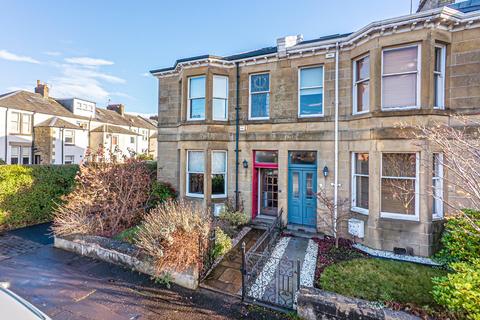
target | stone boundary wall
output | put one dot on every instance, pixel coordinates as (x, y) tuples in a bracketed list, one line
[(122, 254), (315, 304)]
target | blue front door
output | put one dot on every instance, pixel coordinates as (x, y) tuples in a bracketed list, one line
[(302, 201)]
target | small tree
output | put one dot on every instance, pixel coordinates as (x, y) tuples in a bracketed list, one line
[(331, 219)]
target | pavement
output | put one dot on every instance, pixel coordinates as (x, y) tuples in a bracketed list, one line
[(68, 286)]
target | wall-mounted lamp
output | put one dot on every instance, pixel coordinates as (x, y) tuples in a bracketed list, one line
[(325, 171), (245, 164)]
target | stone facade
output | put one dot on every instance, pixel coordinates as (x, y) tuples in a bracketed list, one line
[(376, 131)]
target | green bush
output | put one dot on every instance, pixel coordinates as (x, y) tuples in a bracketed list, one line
[(28, 194), (2, 162), (129, 235), (460, 241), (223, 243), (235, 218), (460, 291), (161, 192)]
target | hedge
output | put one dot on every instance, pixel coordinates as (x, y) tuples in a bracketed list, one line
[(29, 194)]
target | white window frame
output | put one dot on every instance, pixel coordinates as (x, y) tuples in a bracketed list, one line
[(441, 73), (299, 89), (189, 99), (401, 216), (226, 98), (29, 151), (224, 195), (72, 161), (418, 73), (18, 156), (438, 192), (28, 128), (18, 122), (187, 181), (259, 92), (356, 82), (65, 136), (354, 185)]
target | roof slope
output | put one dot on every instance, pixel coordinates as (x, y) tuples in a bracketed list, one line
[(56, 122), (114, 129), (34, 102)]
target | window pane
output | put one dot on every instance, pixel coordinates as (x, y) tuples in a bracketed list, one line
[(311, 77), (266, 156), (260, 105), (311, 101), (15, 122), (15, 151), (309, 186), (260, 82), (436, 165), (361, 163), (220, 85), (399, 165), (195, 183), (14, 160), (26, 126), (196, 161), (218, 184), (399, 91), (363, 96), (197, 87), (197, 109), (361, 196), (438, 90), (219, 109), (438, 59), (303, 157), (363, 69), (295, 186), (398, 196), (25, 151), (400, 60), (219, 163)]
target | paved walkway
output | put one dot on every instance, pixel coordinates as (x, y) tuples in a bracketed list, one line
[(67, 286), (227, 275)]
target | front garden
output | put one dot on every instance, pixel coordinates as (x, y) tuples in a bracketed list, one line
[(122, 207)]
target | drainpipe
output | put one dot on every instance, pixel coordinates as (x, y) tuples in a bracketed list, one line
[(335, 187), (63, 142), (237, 133), (32, 153), (6, 134)]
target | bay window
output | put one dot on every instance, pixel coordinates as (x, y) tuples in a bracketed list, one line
[(437, 185), (360, 182), (220, 97), (401, 78), (219, 174), (20, 155), (259, 99), (196, 98), (439, 77), (399, 186), (195, 173), (310, 93), (361, 85)]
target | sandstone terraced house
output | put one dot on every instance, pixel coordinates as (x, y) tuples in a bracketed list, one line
[(38, 129), (271, 127)]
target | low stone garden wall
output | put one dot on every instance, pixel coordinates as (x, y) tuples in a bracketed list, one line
[(315, 304), (123, 254)]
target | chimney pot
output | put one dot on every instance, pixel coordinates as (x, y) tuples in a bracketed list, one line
[(118, 108), (42, 89)]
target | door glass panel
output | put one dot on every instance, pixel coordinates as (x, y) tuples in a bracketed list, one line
[(295, 186), (269, 192), (303, 157), (309, 186)]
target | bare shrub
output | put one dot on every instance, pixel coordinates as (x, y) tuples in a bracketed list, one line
[(174, 234), (108, 198), (331, 220)]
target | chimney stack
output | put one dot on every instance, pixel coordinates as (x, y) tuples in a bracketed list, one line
[(118, 108), (286, 42), (42, 89)]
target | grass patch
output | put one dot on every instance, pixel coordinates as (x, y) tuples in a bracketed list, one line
[(382, 280), (128, 235)]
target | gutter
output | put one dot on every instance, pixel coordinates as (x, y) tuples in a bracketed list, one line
[(335, 183), (237, 133)]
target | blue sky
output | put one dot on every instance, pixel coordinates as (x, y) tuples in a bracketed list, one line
[(102, 50)]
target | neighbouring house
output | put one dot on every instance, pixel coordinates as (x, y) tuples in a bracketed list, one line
[(38, 129), (271, 127)]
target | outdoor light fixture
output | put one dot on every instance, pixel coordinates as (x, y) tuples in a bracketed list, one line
[(325, 171), (245, 164)]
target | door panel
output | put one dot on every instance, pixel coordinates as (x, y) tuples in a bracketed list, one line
[(302, 201)]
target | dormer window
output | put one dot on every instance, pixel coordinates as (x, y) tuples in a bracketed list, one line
[(196, 98)]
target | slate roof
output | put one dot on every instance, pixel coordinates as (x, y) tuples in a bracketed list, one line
[(34, 102), (466, 6), (55, 122), (114, 129)]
